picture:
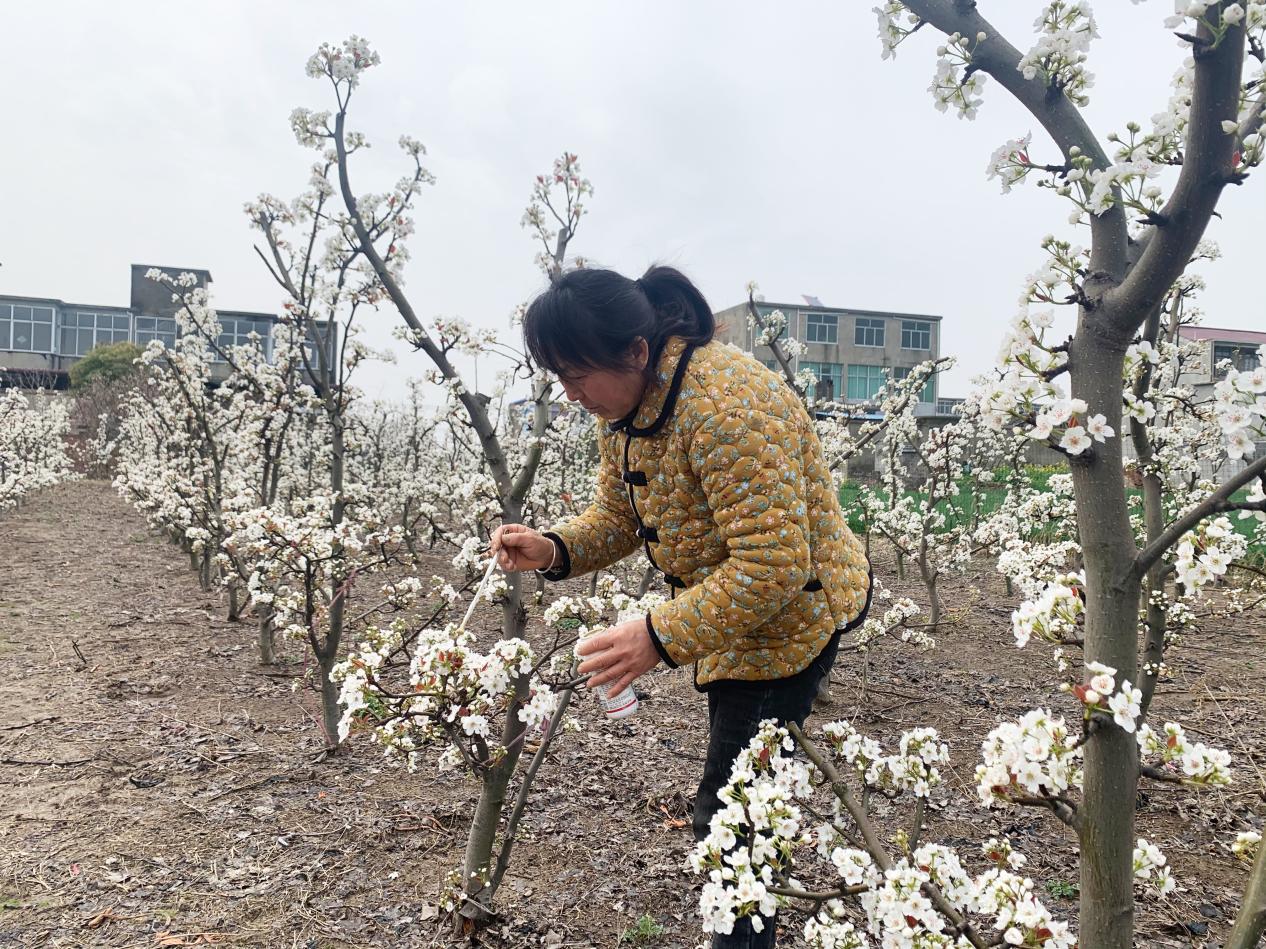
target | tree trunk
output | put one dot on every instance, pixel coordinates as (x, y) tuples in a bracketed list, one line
[(648, 576), (267, 655), (930, 580), (235, 602), (331, 710), (477, 863), (1111, 635), (1251, 923)]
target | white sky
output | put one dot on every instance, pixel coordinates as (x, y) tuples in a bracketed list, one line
[(735, 140)]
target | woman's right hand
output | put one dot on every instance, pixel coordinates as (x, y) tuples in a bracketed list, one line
[(518, 547)]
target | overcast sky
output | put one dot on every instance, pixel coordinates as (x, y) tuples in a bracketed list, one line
[(735, 140)]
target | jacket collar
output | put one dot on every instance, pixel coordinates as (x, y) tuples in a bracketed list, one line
[(660, 398)]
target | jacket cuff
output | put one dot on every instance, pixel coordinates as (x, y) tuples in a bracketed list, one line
[(659, 647), (563, 567)]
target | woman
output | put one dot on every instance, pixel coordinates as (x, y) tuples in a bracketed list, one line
[(711, 461)]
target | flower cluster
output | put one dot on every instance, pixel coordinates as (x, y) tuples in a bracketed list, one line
[(1240, 407), (1103, 694), (1246, 844), (913, 769), (1204, 554), (955, 84), (1151, 869), (1054, 615), (750, 838), (1195, 762), (893, 621), (1065, 29), (1031, 757)]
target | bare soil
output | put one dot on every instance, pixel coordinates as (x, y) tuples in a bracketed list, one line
[(159, 787)]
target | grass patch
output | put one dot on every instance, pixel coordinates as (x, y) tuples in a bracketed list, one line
[(642, 933)]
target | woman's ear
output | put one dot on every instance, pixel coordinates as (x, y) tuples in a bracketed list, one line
[(641, 352)]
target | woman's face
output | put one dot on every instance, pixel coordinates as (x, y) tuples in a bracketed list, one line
[(610, 394)]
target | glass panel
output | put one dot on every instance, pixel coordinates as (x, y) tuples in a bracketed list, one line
[(6, 311), (21, 312), (22, 332), (864, 381), (145, 324), (67, 347), (5, 332), (42, 314), (43, 338), (83, 341)]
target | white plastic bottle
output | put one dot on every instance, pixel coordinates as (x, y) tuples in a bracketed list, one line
[(615, 706)]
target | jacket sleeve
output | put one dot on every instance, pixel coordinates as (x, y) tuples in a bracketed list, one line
[(601, 534), (748, 464)]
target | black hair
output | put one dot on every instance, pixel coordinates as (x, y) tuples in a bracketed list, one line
[(590, 319)]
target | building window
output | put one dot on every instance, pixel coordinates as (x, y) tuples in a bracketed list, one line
[(947, 406), (928, 394), (864, 382), (236, 331), (82, 332), (26, 328), (915, 334), (821, 328), (149, 328), (869, 332), (830, 376), (1242, 356)]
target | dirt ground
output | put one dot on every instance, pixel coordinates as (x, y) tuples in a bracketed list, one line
[(159, 787)]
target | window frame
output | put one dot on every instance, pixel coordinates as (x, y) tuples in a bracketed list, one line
[(875, 377), (921, 327), (1239, 352), (71, 323), (160, 332), (11, 320), (870, 327), (237, 338), (827, 325)]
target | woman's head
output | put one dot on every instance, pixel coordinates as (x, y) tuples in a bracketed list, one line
[(601, 333)]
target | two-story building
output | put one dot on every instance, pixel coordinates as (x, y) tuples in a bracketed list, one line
[(42, 337), (852, 353)]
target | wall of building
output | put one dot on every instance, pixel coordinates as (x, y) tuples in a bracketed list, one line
[(845, 351)]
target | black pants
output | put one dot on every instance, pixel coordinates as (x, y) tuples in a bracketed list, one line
[(735, 711)]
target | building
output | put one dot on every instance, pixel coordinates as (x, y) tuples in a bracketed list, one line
[(851, 352), (1222, 347), (42, 337)]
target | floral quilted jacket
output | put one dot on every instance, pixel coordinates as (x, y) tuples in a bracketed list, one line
[(720, 473)]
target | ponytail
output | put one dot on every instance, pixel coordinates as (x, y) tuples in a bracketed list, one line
[(678, 304)]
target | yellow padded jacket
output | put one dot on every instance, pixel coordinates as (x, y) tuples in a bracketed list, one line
[(720, 473)]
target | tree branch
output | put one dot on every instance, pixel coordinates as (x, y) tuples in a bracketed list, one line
[(1207, 164), (1057, 115), (1213, 504)]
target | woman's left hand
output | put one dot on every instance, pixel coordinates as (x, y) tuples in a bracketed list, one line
[(618, 655)]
